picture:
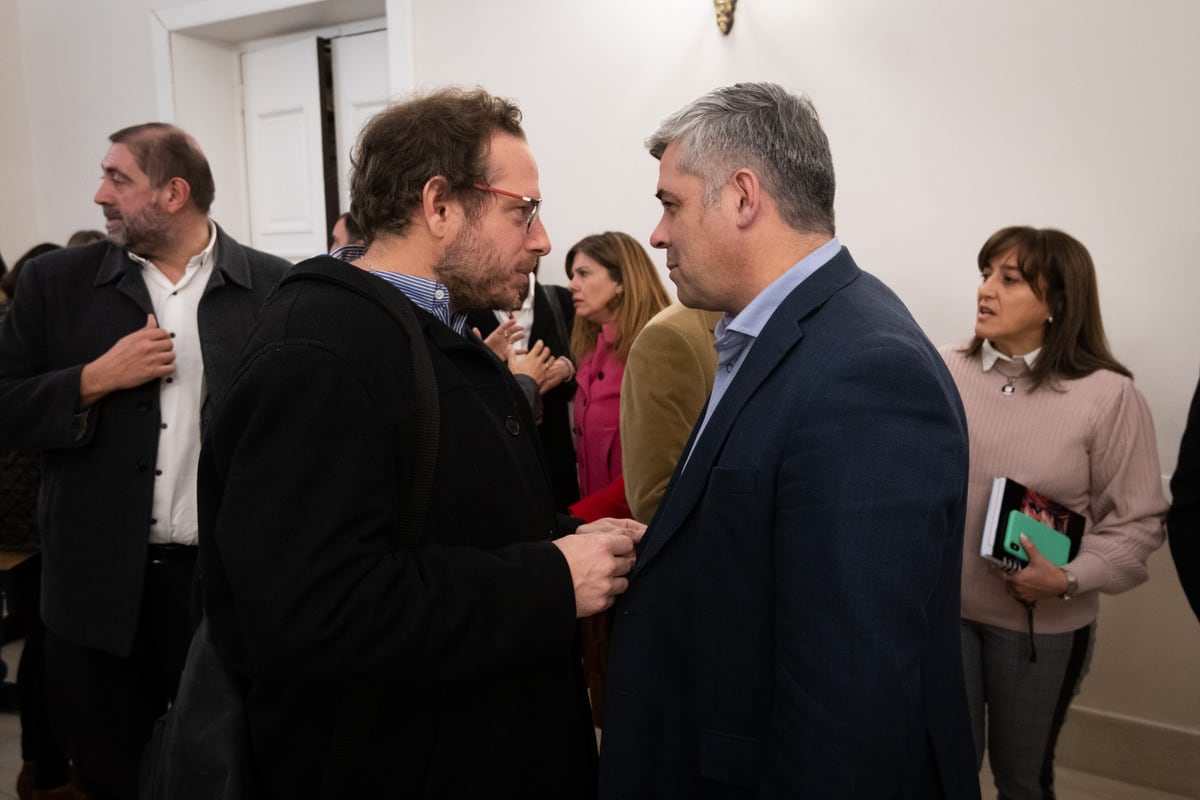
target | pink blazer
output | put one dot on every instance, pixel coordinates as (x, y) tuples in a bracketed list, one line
[(597, 416)]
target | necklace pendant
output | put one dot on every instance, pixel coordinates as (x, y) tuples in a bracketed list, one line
[(1008, 390)]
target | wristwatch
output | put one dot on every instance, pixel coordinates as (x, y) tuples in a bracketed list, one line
[(1072, 585)]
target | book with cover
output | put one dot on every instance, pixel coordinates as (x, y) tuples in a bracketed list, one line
[(1015, 509)]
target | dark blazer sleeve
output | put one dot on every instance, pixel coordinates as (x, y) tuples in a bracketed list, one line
[(544, 322), (40, 402), (1183, 520), (867, 537)]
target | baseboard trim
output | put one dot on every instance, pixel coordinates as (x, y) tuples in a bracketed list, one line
[(1131, 750)]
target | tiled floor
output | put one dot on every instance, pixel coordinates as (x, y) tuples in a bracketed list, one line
[(1071, 785)]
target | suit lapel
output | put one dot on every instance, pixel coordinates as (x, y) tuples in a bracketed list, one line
[(782, 333)]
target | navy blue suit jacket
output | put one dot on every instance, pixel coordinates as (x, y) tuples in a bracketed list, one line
[(791, 627)]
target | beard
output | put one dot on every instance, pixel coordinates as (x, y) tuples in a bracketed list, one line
[(476, 277), (144, 231)]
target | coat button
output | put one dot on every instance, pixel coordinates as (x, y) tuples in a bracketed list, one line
[(600, 375), (512, 426), (141, 466)]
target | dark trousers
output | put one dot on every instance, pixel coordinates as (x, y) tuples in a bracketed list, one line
[(104, 706), (37, 742), (1018, 706)]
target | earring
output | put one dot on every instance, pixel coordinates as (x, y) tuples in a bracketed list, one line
[(1049, 319)]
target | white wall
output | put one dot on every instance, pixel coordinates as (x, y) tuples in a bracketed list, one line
[(18, 227), (86, 72), (947, 120)]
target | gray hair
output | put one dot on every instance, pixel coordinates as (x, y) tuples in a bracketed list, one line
[(762, 127)]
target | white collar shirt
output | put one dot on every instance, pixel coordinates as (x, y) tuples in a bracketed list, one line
[(180, 396), (523, 316), (735, 335), (988, 356)]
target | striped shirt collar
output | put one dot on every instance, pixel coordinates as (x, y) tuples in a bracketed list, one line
[(427, 295), (349, 252)]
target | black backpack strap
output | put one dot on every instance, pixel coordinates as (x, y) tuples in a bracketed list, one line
[(429, 415), (359, 706), (426, 391)]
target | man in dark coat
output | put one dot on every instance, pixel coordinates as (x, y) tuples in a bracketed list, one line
[(110, 361), (791, 627), (465, 636)]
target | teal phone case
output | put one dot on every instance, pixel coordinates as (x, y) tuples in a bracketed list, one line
[(1049, 542)]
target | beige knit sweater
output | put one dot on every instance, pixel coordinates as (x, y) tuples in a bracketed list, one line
[(1087, 443)]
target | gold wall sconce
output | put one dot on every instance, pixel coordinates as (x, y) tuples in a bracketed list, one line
[(725, 9)]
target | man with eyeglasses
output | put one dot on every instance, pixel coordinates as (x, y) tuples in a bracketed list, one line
[(465, 637)]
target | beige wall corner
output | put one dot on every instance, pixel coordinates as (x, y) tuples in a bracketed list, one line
[(18, 228), (1134, 751)]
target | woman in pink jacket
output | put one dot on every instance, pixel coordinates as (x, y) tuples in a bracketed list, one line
[(616, 290)]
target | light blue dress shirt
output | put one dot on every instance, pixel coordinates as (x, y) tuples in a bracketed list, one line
[(736, 335), (427, 295)]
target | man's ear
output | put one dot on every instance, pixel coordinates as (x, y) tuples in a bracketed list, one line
[(748, 196), (441, 212), (176, 193)]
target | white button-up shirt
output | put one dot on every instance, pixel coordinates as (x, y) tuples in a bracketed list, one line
[(180, 396)]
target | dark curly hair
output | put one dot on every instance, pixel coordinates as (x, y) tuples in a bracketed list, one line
[(444, 133)]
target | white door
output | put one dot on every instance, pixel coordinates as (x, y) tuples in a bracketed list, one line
[(360, 91), (283, 149)]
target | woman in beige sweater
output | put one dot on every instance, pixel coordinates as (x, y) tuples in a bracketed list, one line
[(1049, 406)]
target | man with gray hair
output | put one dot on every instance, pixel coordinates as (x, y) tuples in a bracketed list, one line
[(111, 361), (791, 624)]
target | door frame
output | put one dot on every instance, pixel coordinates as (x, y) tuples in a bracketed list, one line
[(196, 51)]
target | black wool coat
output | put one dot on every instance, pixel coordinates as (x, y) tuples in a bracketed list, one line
[(468, 636), (98, 468)]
